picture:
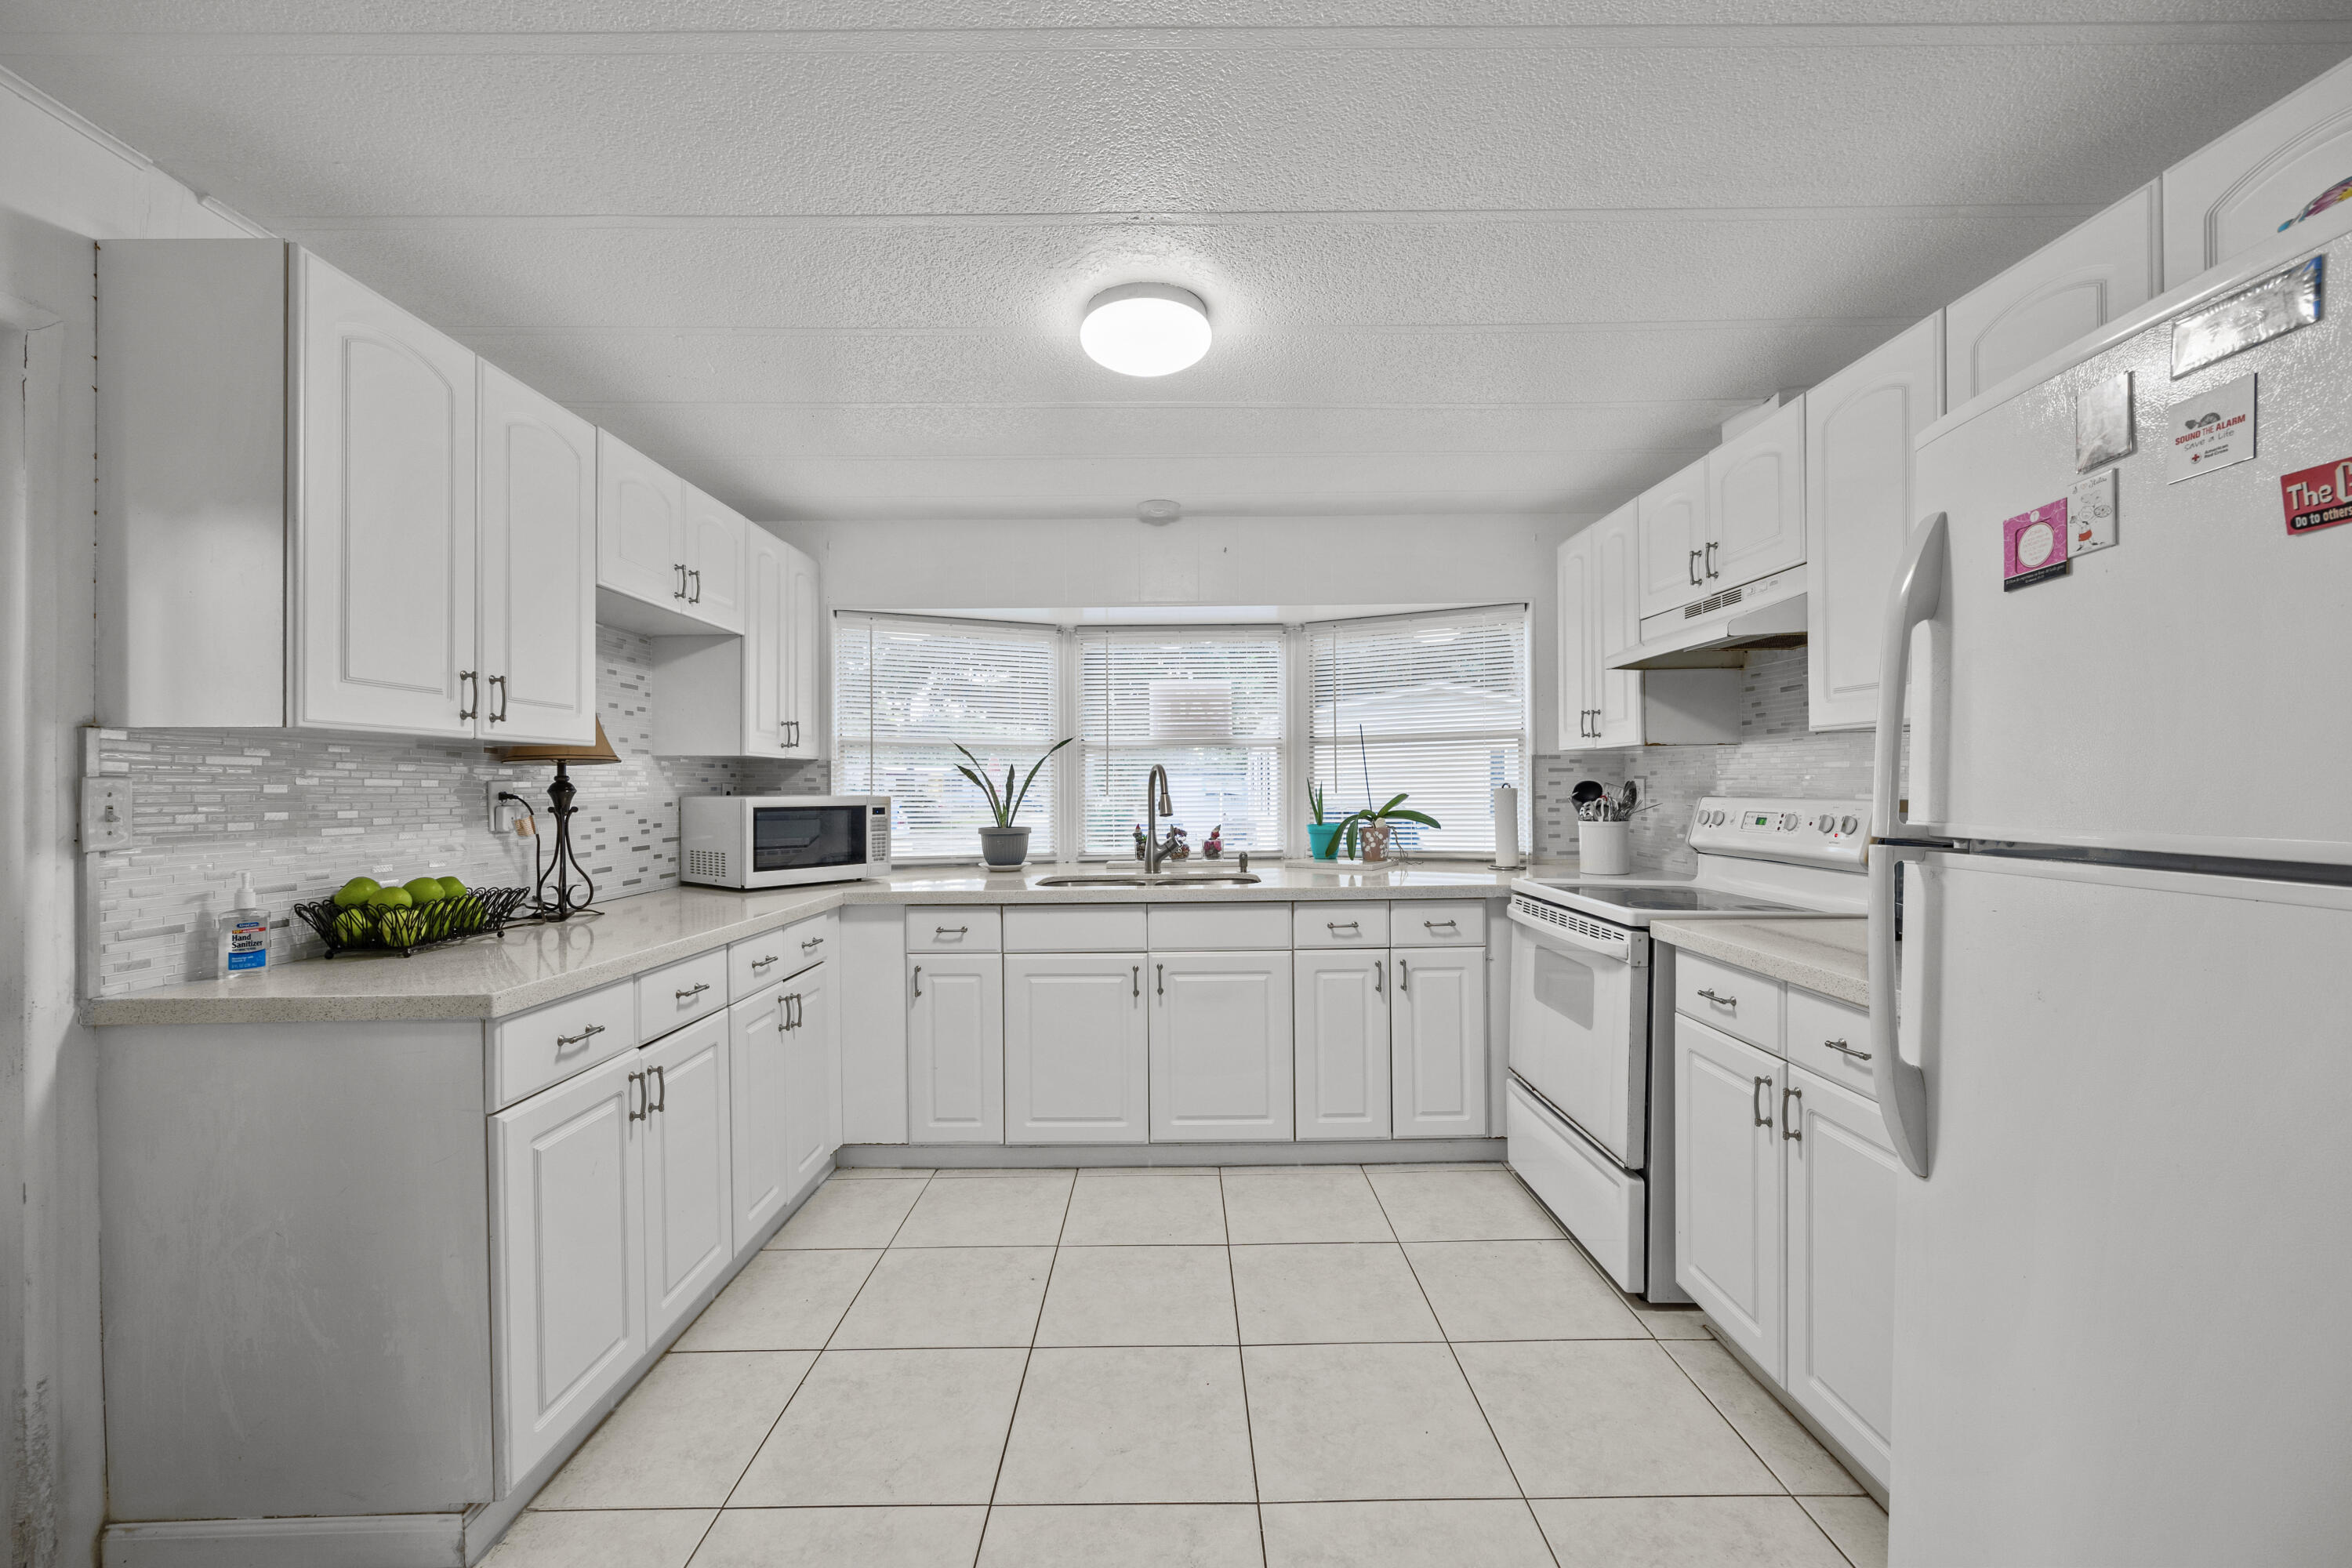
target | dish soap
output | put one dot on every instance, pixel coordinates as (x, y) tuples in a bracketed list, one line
[(245, 933)]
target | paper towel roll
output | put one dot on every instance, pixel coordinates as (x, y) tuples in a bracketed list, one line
[(1506, 828)]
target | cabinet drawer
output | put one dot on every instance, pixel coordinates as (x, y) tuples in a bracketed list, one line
[(954, 928), (1742, 1002), (1447, 924), (531, 1050), (1219, 928), (1073, 927), (690, 989), (1815, 1021), (760, 961), (1340, 925)]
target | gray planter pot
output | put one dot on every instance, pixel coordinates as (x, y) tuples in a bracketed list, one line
[(1004, 849)]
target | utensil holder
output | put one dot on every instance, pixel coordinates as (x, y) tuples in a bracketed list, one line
[(1604, 848)]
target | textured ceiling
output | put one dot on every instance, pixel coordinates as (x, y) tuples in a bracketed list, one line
[(826, 258)]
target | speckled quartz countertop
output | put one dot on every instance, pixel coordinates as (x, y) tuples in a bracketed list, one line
[(531, 966), (1828, 956)]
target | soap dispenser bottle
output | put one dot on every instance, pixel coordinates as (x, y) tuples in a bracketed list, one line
[(245, 933)]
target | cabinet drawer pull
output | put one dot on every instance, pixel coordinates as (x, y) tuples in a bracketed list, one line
[(592, 1031), (1839, 1046), (639, 1097), (958, 930), (919, 980), (693, 991), (812, 941), (763, 963), (1435, 925), (1720, 1001), (661, 1083), (1793, 1127), (1759, 1102), (1343, 925)]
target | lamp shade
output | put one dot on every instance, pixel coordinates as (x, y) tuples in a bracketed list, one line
[(576, 756)]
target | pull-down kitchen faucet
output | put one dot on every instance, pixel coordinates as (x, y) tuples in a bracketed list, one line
[(1155, 801)]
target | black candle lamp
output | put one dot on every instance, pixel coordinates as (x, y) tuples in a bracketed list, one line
[(564, 864)]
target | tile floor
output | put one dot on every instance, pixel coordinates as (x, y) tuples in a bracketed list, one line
[(1284, 1368)]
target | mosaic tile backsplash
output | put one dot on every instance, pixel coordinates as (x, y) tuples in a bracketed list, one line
[(305, 812), (1776, 755)]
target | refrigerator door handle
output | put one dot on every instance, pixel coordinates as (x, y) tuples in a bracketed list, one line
[(1902, 1088), (1918, 593)]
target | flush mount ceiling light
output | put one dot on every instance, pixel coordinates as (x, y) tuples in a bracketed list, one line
[(1145, 329)]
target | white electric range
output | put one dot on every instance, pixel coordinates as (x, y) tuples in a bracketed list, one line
[(1588, 1112)]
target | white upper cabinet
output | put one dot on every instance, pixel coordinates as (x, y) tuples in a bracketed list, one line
[(538, 654), (2060, 294), (1617, 694), (1579, 636), (1756, 502), (767, 643), (805, 643), (2237, 190), (714, 562), (640, 525), (1859, 425), (384, 541), (1671, 524), (720, 696)]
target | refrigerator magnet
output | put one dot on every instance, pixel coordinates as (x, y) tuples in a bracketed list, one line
[(2277, 305), (2091, 515), (2214, 430), (2317, 498), (2103, 422), (2034, 546)]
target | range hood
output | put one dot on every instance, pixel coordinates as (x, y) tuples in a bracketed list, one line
[(1722, 629)]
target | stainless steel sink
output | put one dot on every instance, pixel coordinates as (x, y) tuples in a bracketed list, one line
[(1152, 879)]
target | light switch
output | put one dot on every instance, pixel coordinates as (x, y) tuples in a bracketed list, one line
[(105, 815)]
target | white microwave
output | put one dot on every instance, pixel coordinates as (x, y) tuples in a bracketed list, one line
[(784, 840)]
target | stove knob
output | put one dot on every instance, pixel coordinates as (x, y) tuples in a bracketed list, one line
[(1827, 824), (1788, 822), (1714, 819), (1847, 824)]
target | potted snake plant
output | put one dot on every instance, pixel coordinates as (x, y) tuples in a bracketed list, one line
[(1005, 846)]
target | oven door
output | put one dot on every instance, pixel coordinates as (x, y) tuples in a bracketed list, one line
[(807, 842), (1580, 1034)]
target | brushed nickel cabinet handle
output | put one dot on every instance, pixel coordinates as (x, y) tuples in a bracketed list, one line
[(919, 980), (1793, 1127), (679, 591), (1711, 573), (1135, 978), (943, 931), (697, 598), (1720, 1001), (763, 963), (812, 941), (467, 706), (1343, 925), (1405, 975), (1160, 980), (639, 1097), (1376, 990), (697, 990), (1758, 1099), (592, 1031), (1435, 925), (661, 1083), (1691, 566), (1839, 1046)]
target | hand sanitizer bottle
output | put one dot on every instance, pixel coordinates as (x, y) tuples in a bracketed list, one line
[(245, 934)]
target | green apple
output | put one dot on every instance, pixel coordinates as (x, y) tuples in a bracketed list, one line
[(391, 899), (452, 888), (424, 891), (358, 890)]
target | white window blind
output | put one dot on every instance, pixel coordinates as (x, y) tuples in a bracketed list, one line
[(1431, 706), (907, 689), (1205, 704)]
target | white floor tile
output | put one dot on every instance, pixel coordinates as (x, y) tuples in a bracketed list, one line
[(1305, 1204), (1801, 1464), (1160, 1424), (880, 1428), (1607, 1418), (1520, 1291), (949, 1297), (683, 1436), (1328, 1292), (1460, 1206), (879, 1172), (1856, 1524), (1155, 1535), (1007, 1211), (1680, 1531), (850, 1214), (953, 1173), (607, 1538), (1139, 1296), (1442, 1534), (843, 1538), (1340, 1423), (1146, 1210), (783, 1301)]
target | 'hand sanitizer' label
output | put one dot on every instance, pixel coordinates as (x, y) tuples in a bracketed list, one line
[(248, 945)]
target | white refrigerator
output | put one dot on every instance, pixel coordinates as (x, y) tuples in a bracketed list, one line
[(2124, 1273)]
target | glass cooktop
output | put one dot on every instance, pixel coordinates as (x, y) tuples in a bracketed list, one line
[(1678, 901)]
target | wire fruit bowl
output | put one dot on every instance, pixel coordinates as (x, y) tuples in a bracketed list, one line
[(394, 930)]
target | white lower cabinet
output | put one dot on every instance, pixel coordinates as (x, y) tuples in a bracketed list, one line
[(1727, 1200), (811, 1037), (1439, 1043), (689, 1226), (1221, 1051), (955, 1047), (1339, 1012), (756, 1069), (1842, 1179), (567, 1291), (1078, 1048)]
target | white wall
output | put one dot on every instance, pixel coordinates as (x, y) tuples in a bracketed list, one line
[(62, 184), (1217, 562)]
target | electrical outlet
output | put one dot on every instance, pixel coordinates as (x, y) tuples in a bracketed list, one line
[(1641, 788), (105, 815), (503, 813)]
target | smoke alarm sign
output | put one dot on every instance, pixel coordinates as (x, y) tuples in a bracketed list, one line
[(2211, 431), (2317, 498)]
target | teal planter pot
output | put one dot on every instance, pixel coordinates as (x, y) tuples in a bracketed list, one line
[(1321, 838)]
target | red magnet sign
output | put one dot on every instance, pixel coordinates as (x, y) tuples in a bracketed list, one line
[(2317, 498)]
